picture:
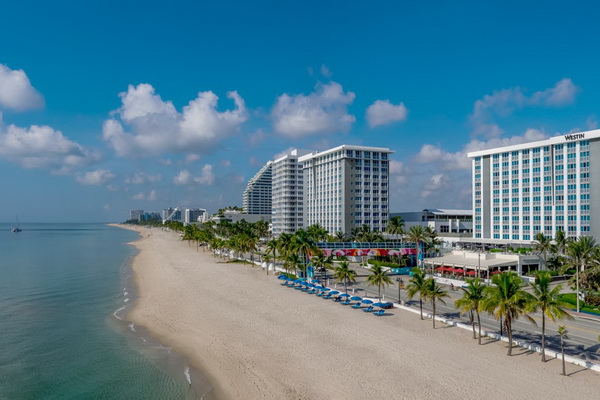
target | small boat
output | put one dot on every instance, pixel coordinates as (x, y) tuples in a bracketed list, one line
[(16, 228)]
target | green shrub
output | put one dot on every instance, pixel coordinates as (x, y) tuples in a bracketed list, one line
[(592, 300), (495, 250)]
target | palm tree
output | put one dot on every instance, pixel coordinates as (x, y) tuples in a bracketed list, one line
[(395, 226), (272, 248), (472, 301), (321, 263), (417, 285), (344, 274), (433, 293), (561, 242), (417, 234), (580, 252), (303, 244), (379, 277), (543, 246), (546, 300), (507, 301), (562, 331)]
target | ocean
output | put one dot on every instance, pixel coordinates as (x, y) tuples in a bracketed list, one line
[(64, 292)]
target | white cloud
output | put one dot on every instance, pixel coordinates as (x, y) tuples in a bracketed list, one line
[(154, 126), (140, 177), (436, 177), (16, 91), (256, 137), (139, 196), (97, 177), (225, 163), (502, 103), (323, 111), (190, 158), (185, 177), (326, 72), (43, 147), (382, 112), (152, 195)]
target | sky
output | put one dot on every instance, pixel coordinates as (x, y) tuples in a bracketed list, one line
[(118, 105)]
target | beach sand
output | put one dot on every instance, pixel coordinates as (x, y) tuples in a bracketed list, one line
[(255, 339)]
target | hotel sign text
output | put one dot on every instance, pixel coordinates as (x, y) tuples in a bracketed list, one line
[(575, 136)]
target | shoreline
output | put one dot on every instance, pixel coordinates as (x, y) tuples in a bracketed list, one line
[(253, 338), (172, 362)]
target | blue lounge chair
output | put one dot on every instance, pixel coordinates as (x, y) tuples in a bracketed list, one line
[(327, 297), (345, 303), (338, 299), (379, 312), (357, 305), (313, 291), (368, 309)]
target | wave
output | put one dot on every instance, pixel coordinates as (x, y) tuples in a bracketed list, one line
[(116, 312), (188, 377)]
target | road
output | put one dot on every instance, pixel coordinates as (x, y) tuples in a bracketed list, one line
[(582, 341)]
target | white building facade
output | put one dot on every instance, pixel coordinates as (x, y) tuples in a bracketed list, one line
[(538, 187), (287, 193), (257, 196), (346, 187)]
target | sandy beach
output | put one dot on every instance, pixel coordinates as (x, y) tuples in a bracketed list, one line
[(254, 338)]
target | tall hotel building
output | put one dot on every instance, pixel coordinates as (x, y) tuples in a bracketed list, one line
[(257, 196), (538, 187), (346, 187), (287, 199)]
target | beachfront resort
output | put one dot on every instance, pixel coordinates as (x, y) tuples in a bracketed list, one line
[(320, 222)]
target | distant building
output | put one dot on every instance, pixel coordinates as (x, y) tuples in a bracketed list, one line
[(444, 221), (194, 215), (257, 196), (136, 215), (522, 190), (346, 187), (287, 193), (236, 216)]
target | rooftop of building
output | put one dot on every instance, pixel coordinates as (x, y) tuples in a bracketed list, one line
[(570, 137), (345, 147)]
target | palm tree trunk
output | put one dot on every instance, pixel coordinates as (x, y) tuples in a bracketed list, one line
[(433, 313), (479, 326), (472, 323), (509, 332), (543, 336), (562, 350), (421, 308), (379, 291)]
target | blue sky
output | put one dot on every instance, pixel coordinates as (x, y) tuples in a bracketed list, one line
[(113, 106)]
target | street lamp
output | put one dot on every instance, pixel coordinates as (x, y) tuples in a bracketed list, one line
[(400, 283)]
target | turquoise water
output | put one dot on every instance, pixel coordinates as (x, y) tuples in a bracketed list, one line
[(60, 286)]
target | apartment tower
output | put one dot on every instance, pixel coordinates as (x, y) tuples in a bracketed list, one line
[(346, 187), (257, 196), (287, 195)]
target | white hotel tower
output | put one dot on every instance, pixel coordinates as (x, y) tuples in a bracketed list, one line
[(538, 187), (287, 197), (346, 187)]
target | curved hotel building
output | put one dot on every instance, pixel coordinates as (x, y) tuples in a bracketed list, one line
[(522, 190)]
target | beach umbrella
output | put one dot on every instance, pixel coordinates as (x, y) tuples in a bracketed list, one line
[(334, 292), (282, 276), (325, 289), (344, 295), (471, 273), (495, 272), (355, 298), (367, 301), (378, 304)]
